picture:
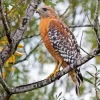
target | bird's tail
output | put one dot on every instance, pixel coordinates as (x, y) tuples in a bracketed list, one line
[(77, 79)]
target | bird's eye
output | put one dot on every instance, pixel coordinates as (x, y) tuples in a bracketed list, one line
[(45, 9)]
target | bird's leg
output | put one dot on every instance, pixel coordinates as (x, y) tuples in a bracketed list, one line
[(57, 69), (53, 71)]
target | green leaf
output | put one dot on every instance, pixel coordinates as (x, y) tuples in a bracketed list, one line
[(50, 3), (59, 95), (95, 67), (88, 80), (98, 81), (99, 71), (51, 98), (90, 73), (98, 89), (98, 84)]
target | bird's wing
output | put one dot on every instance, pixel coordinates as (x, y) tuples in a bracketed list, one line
[(63, 42)]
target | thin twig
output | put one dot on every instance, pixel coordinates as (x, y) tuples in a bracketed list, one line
[(84, 51), (64, 12), (89, 20), (87, 52), (98, 55), (95, 81), (27, 56), (4, 21), (78, 26), (81, 39), (70, 13), (31, 36), (71, 26)]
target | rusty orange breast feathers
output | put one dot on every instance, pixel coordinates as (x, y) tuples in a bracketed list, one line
[(44, 26), (44, 23)]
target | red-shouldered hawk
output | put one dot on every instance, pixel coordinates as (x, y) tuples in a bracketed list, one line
[(60, 42)]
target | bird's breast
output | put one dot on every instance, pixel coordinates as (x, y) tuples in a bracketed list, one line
[(44, 24)]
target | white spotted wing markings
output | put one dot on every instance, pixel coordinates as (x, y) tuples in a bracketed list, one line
[(64, 45)]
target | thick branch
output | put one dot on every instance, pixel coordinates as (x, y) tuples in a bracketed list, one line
[(4, 21), (96, 22), (5, 96), (5, 86), (29, 87), (9, 49)]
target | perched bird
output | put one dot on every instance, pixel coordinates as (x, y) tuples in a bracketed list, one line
[(60, 42)]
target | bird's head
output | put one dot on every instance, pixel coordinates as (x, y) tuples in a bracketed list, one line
[(46, 11)]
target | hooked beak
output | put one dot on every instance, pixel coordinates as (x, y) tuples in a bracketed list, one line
[(38, 10)]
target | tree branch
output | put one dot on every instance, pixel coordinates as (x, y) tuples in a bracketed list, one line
[(5, 86), (27, 56), (4, 21), (96, 22), (5, 96), (29, 87), (9, 49), (78, 26), (64, 12), (31, 36)]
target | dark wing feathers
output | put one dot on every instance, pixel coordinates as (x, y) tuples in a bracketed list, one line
[(63, 44)]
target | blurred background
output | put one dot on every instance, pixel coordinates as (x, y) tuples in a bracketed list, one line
[(32, 62)]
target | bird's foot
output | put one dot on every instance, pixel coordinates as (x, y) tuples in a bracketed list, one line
[(53, 74), (50, 75), (56, 72)]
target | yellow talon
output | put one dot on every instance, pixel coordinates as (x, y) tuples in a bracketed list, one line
[(50, 76), (56, 72), (57, 69)]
